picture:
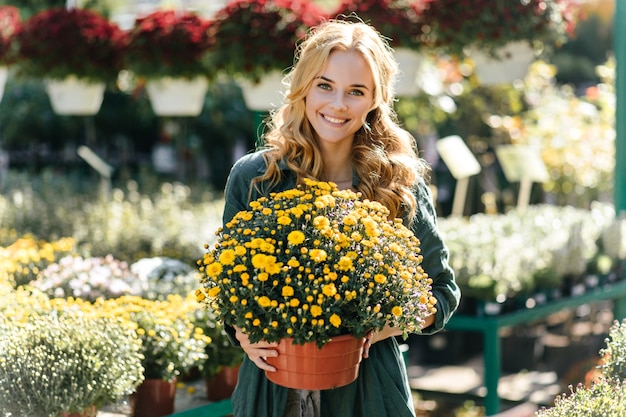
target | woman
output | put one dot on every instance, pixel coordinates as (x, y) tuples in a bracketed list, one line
[(337, 124)]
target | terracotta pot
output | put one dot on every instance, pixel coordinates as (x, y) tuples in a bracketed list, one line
[(154, 398), (308, 367), (222, 385), (90, 411)]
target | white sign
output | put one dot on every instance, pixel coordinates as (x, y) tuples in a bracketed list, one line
[(458, 158), (522, 163)]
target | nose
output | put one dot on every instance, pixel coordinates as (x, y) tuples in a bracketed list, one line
[(339, 103)]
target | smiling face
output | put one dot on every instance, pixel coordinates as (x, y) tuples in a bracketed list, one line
[(339, 99)]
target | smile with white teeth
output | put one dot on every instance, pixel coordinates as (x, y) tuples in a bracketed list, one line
[(333, 120)]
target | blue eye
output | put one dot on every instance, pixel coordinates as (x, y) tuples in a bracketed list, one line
[(324, 86), (356, 92)]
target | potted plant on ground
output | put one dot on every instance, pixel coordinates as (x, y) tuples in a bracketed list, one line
[(221, 367), (9, 24), (169, 49), (63, 357), (255, 43), (314, 268), (171, 345), (494, 30), (400, 21)]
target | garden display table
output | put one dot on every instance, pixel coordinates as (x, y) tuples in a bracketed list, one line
[(489, 326)]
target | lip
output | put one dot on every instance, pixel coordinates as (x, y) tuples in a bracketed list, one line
[(334, 120)]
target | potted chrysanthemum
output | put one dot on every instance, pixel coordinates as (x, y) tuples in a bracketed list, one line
[(171, 345), (313, 268), (255, 43), (491, 31), (170, 49), (71, 48), (400, 21), (221, 367), (9, 24)]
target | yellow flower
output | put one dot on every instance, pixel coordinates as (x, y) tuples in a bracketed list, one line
[(213, 270), (396, 311), (329, 290), (264, 301), (284, 220), (227, 257), (316, 311), (335, 320), (287, 291)]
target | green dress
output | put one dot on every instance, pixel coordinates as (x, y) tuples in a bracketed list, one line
[(382, 388)]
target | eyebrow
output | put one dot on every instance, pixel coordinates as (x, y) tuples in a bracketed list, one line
[(353, 85)]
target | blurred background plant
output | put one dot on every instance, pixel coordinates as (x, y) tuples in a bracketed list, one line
[(62, 356)]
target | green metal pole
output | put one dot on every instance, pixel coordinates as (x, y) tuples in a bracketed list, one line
[(619, 42), (492, 362)]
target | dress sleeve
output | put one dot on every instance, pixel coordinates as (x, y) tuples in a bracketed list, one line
[(435, 261)]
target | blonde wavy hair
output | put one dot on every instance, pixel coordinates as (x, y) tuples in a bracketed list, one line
[(384, 155)]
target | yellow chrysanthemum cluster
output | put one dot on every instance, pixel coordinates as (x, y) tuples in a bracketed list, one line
[(314, 262)]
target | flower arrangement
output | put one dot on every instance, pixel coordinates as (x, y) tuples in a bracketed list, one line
[(399, 20), (254, 37), (9, 24), (63, 357), (171, 344), (59, 42), (169, 43), (314, 262), (490, 24)]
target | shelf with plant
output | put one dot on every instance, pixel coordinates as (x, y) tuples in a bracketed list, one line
[(455, 26), (257, 37)]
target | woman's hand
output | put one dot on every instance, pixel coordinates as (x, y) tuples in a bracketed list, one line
[(257, 352), (372, 337)]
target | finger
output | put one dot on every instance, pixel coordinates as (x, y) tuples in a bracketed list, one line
[(366, 348)]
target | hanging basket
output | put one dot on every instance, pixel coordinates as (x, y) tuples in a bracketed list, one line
[(265, 95), (177, 96), (308, 367), (515, 58), (409, 62), (75, 96), (4, 72)]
